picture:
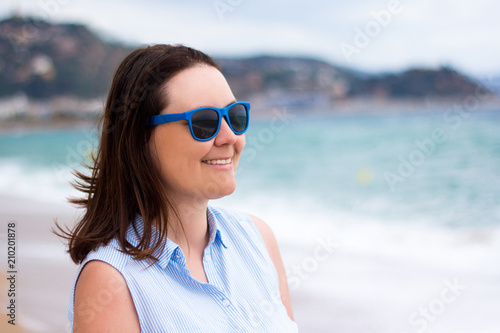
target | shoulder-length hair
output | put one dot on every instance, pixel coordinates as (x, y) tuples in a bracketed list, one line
[(123, 181)]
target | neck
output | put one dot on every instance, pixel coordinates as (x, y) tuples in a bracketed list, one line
[(189, 228)]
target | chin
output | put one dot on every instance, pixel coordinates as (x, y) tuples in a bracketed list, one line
[(225, 191)]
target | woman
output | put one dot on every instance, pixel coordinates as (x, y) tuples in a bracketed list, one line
[(154, 257)]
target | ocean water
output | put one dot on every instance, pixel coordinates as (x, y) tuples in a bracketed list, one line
[(379, 216)]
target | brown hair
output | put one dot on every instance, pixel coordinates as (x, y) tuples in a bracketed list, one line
[(123, 180)]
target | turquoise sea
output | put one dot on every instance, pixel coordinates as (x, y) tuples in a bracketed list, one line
[(389, 167), (411, 199)]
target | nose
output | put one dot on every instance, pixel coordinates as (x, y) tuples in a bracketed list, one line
[(225, 135)]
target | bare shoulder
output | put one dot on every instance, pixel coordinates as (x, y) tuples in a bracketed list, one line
[(266, 231), (270, 241), (274, 252), (103, 301)]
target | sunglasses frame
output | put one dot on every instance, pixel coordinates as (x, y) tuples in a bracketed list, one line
[(222, 112)]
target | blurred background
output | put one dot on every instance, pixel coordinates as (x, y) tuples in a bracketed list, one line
[(373, 151)]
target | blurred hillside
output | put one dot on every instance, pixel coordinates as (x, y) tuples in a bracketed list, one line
[(67, 63), (298, 81), (45, 60)]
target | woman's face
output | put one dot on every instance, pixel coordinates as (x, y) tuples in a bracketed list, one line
[(184, 163)]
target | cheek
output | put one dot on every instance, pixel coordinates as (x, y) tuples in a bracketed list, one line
[(164, 152), (176, 155), (239, 145)]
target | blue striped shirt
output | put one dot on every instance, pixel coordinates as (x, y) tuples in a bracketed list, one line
[(242, 293)]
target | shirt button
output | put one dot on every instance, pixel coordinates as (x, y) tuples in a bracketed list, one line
[(207, 258), (226, 302)]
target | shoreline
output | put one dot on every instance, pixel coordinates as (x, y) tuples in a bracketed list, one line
[(368, 106)]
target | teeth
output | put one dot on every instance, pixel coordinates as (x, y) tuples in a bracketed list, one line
[(218, 161)]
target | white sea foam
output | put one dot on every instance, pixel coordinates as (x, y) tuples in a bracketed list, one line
[(380, 274), (40, 183)]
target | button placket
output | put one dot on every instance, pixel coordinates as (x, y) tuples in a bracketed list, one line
[(207, 255), (219, 295), (179, 258)]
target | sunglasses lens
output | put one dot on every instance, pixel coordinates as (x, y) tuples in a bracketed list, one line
[(238, 116), (204, 123)]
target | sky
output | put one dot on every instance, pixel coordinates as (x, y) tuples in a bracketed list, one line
[(372, 36)]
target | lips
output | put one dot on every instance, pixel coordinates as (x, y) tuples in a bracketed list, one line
[(218, 161)]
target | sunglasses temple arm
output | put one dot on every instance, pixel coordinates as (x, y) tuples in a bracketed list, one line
[(166, 118)]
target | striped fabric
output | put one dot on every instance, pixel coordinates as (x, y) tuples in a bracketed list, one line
[(243, 290)]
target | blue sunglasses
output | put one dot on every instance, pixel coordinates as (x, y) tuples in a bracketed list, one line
[(204, 123)]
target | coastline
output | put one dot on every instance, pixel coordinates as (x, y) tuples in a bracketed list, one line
[(361, 106)]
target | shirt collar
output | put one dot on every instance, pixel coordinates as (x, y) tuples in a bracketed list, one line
[(217, 236), (163, 253), (169, 248)]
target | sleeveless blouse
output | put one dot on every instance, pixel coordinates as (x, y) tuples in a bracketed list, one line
[(242, 293)]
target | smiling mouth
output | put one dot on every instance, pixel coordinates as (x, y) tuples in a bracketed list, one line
[(218, 162)]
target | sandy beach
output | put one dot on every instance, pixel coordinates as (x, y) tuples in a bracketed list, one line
[(44, 271)]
